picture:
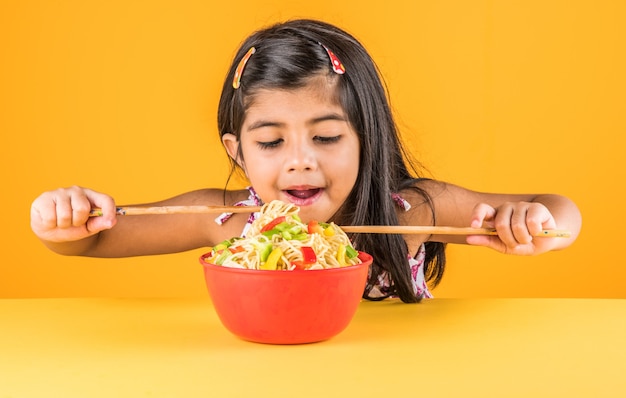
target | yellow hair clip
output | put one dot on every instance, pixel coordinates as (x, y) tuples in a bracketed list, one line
[(242, 64)]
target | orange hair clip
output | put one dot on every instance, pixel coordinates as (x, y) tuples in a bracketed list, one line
[(241, 66)]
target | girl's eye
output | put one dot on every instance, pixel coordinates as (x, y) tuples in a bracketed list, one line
[(269, 144), (327, 140)]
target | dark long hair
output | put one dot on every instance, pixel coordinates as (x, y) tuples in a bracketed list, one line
[(287, 56)]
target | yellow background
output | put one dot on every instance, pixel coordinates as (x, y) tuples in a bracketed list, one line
[(503, 96)]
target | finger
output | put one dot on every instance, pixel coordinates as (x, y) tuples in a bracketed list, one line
[(97, 224), (481, 214), (63, 207), (519, 226), (107, 206), (492, 242), (539, 218), (502, 224), (81, 207), (43, 212)]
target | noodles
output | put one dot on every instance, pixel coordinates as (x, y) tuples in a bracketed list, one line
[(278, 240)]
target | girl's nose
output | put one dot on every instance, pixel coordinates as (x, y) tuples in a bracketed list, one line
[(300, 157)]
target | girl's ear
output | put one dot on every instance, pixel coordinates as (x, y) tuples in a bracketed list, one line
[(232, 147)]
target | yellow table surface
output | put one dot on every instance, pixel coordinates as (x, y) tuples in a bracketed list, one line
[(439, 348)]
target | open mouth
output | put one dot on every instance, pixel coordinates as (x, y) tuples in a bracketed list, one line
[(303, 193)]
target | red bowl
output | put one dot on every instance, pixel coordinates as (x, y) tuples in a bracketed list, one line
[(286, 307)]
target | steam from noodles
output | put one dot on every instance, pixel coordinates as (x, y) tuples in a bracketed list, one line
[(278, 239)]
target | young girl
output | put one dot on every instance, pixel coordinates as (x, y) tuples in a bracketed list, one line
[(304, 114)]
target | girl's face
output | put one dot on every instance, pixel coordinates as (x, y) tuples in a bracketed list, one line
[(299, 147)]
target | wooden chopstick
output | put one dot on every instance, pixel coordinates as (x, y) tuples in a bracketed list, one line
[(362, 229), (436, 230), (138, 211)]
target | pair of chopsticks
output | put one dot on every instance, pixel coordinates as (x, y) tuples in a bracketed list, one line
[(367, 229)]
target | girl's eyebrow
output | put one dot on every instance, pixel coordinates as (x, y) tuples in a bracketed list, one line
[(263, 123), (331, 116), (268, 123)]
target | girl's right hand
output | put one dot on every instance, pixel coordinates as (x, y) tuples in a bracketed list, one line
[(63, 215)]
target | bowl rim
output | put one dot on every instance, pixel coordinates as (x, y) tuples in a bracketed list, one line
[(366, 260)]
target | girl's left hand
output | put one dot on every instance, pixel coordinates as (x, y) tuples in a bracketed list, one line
[(516, 223)]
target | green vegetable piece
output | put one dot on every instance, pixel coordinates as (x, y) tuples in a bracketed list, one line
[(222, 257), (282, 226), (271, 232), (350, 252), (222, 245), (296, 229), (301, 236), (265, 252)]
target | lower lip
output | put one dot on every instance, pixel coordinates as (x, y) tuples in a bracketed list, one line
[(304, 202)]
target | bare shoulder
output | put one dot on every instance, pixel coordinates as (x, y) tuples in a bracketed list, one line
[(422, 197), (426, 190)]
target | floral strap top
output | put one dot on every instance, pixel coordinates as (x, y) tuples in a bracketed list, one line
[(382, 288)]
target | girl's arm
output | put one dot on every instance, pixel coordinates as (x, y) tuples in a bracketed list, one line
[(516, 217), (61, 220)]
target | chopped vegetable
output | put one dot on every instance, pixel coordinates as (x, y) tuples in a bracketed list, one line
[(236, 249), (272, 259), (315, 228), (265, 251), (308, 255), (351, 253), (223, 255), (298, 264), (273, 223), (341, 255), (222, 245)]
